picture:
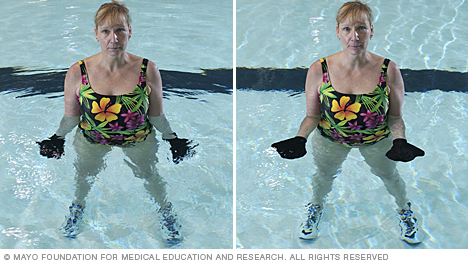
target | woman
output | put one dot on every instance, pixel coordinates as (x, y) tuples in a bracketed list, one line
[(116, 98), (354, 98)]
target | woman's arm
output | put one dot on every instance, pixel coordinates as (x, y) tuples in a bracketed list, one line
[(154, 82), (179, 147), (397, 93), (71, 117), (71, 91), (401, 149), (155, 111), (295, 147), (313, 82), (54, 146)]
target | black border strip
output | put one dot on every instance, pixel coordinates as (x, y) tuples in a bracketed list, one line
[(294, 79), (30, 84)]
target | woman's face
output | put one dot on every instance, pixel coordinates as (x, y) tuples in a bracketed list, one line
[(113, 37), (354, 35)]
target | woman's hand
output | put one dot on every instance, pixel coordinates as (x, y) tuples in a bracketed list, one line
[(180, 149), (291, 148), (52, 148), (403, 151)]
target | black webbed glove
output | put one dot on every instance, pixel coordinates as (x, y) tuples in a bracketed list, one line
[(291, 148), (52, 148), (403, 151), (180, 149)]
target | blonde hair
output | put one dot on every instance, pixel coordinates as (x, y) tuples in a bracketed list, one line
[(356, 10), (113, 11)]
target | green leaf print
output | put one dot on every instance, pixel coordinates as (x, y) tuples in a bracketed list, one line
[(327, 90), (338, 127), (85, 93), (138, 97)]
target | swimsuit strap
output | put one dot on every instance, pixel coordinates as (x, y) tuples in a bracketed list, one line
[(324, 66), (386, 62), (384, 69), (145, 64), (84, 72)]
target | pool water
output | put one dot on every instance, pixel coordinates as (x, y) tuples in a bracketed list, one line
[(359, 212), (277, 42), (186, 41), (421, 34), (119, 213)]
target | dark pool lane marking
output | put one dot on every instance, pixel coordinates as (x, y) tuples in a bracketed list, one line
[(30, 84), (294, 79)]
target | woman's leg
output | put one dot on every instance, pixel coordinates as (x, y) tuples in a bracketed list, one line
[(89, 162), (385, 168), (142, 161), (328, 157)]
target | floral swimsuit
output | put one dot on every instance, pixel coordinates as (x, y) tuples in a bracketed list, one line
[(354, 120), (114, 120)]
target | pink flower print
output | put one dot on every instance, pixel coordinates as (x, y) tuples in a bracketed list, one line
[(354, 126), (117, 137), (115, 127), (380, 119), (325, 78), (97, 134), (103, 142), (371, 123), (341, 140), (129, 115), (368, 115), (84, 80), (336, 134), (140, 119), (357, 137), (381, 79), (132, 124), (142, 79)]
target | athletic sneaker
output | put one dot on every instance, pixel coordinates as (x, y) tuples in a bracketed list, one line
[(309, 229), (410, 231), (169, 225), (71, 226)]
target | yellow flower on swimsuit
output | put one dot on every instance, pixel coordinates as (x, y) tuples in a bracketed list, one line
[(345, 111), (104, 111)]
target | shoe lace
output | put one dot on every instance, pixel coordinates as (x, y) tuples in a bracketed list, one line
[(169, 220), (313, 214), (409, 221), (76, 214)]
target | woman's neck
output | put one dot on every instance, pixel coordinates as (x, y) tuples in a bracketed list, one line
[(113, 63)]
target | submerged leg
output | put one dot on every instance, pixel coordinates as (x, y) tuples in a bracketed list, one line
[(143, 161), (385, 169), (328, 157), (89, 162)]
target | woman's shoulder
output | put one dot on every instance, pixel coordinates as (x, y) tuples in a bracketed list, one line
[(74, 72), (316, 69)]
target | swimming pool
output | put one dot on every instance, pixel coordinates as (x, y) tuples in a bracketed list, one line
[(36, 191), (277, 42)]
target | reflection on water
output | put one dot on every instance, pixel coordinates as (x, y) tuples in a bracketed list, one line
[(359, 211), (119, 211)]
